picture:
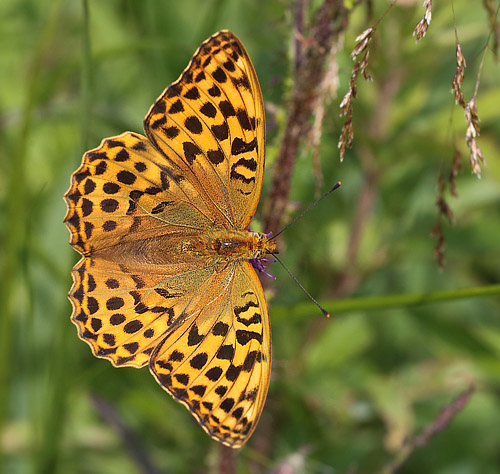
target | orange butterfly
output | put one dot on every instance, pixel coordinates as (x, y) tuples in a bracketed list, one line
[(161, 223)]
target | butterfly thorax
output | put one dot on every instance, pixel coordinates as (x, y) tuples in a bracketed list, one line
[(229, 245)]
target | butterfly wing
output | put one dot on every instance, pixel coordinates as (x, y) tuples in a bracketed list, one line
[(125, 190), (211, 123), (217, 362), (123, 310), (132, 215)]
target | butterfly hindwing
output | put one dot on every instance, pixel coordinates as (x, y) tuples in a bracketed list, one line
[(217, 362), (123, 310)]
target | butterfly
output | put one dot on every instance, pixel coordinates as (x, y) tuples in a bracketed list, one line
[(167, 275)]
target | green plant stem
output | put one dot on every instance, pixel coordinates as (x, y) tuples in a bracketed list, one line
[(85, 76), (374, 303), (14, 267)]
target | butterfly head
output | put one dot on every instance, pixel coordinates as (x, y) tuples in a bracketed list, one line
[(262, 245)]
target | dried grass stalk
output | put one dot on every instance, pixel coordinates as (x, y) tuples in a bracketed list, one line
[(476, 157), (423, 25), (458, 78), (362, 43), (475, 154)]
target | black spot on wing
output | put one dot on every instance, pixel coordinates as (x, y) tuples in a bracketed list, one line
[(131, 347), (109, 205), (126, 177), (96, 324), (87, 207), (199, 360), (255, 319), (250, 360), (193, 124), (171, 132), (192, 94), (225, 352), (117, 319), (132, 326), (182, 378), (140, 166), (220, 329), (219, 75), (221, 132), (114, 143), (233, 372), (227, 109), (191, 151), (244, 337), (213, 374), (214, 91), (227, 404), (159, 122), (89, 227), (199, 390), (208, 110), (243, 119), (109, 226), (173, 90), (221, 390), (176, 107), (215, 156), (240, 146), (194, 338), (243, 82), (229, 66), (122, 155), (241, 309), (112, 283), (240, 177), (89, 186), (109, 339), (159, 108), (101, 168), (114, 303), (237, 413), (176, 356), (249, 164), (139, 146)]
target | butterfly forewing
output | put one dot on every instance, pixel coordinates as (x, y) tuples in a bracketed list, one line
[(125, 190), (212, 120), (148, 216)]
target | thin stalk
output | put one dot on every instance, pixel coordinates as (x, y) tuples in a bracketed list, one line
[(376, 303), (85, 77)]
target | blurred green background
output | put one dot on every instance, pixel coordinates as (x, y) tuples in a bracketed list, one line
[(345, 394)]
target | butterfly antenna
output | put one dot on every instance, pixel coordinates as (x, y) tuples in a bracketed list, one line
[(333, 188), (323, 310)]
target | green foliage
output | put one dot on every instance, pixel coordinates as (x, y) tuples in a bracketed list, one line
[(345, 393)]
